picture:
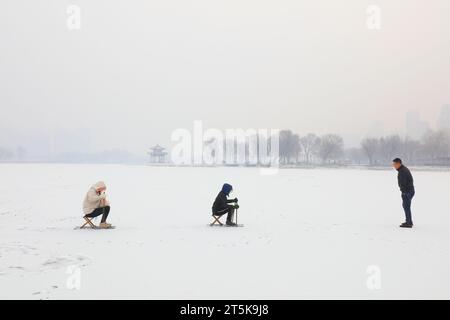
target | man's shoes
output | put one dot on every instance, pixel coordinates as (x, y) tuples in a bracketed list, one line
[(406, 225), (231, 224)]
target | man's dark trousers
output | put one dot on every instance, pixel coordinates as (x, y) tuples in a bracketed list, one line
[(407, 199)]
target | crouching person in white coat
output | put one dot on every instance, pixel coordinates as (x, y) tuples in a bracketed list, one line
[(95, 204)]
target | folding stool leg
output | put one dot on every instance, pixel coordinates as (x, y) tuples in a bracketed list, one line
[(88, 222), (216, 220)]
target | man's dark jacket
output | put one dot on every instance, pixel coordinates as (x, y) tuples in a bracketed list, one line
[(405, 180)]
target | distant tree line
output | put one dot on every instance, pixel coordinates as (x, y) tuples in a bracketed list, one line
[(7, 154), (310, 149), (432, 149)]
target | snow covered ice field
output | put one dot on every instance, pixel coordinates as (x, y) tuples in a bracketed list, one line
[(309, 233)]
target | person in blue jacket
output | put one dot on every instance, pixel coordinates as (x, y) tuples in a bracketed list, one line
[(222, 205)]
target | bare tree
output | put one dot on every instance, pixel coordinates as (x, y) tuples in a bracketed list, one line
[(370, 147), (390, 147), (289, 146), (331, 147), (296, 147), (436, 144), (410, 149), (310, 145)]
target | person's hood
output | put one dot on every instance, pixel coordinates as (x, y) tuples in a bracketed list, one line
[(99, 185), (226, 188)]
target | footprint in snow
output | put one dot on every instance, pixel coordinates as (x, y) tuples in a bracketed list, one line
[(64, 261), (45, 292), (16, 268), (16, 247)]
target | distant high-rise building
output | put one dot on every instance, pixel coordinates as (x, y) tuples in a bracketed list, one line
[(415, 126), (444, 118)]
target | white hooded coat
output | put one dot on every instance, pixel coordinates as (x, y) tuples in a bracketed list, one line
[(93, 200)]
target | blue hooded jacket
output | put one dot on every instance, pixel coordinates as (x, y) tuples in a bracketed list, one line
[(226, 188), (221, 202)]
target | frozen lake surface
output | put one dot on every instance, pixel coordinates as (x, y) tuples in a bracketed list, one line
[(309, 233)]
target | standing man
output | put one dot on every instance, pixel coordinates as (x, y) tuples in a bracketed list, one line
[(406, 184)]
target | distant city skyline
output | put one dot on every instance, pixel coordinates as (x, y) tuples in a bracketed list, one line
[(137, 70), (62, 143)]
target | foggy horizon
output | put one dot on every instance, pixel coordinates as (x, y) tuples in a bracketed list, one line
[(136, 71)]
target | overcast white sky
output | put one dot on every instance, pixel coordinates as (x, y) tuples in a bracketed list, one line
[(137, 70)]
